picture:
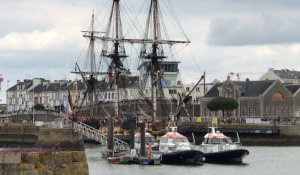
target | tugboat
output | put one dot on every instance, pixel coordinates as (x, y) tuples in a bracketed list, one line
[(176, 149), (218, 148)]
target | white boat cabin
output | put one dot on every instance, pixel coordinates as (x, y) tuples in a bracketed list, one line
[(149, 139), (216, 141), (173, 141)]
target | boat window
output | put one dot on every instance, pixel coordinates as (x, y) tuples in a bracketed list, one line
[(163, 140), (182, 140), (229, 140), (171, 140), (205, 140), (218, 141), (150, 139)]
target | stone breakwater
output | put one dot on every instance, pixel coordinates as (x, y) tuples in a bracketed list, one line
[(43, 163), (31, 150)]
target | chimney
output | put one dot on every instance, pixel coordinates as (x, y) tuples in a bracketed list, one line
[(285, 70), (271, 69)]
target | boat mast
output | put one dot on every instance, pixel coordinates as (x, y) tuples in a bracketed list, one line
[(154, 60), (117, 67), (88, 76), (92, 68), (116, 57), (154, 56)]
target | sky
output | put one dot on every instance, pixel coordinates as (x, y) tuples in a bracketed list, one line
[(43, 38)]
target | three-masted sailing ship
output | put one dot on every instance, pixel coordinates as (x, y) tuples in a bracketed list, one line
[(153, 66)]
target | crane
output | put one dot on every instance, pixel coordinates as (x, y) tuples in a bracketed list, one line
[(238, 74), (1, 80)]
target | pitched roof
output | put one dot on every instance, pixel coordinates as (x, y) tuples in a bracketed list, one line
[(254, 88), (247, 88), (22, 85), (287, 74), (292, 88), (80, 85), (38, 88), (213, 92)]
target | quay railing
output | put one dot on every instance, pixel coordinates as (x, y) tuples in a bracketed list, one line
[(95, 134)]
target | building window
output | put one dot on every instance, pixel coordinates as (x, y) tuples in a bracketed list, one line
[(178, 82), (187, 89), (172, 91), (197, 89)]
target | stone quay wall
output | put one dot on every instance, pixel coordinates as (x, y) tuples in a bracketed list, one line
[(45, 163), (28, 150)]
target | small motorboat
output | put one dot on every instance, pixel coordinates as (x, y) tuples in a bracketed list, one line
[(176, 149), (218, 148), (124, 159)]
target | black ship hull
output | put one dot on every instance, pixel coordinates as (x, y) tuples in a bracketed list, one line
[(229, 156), (188, 157)]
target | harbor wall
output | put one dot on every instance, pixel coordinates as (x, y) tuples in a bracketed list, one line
[(250, 134), (28, 150), (46, 163), (63, 138), (21, 135), (15, 135)]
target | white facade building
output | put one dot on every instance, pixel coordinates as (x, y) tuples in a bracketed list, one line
[(283, 75)]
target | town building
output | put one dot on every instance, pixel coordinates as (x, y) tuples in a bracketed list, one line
[(61, 94), (283, 75), (267, 100)]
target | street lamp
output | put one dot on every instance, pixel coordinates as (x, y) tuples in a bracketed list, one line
[(7, 99), (33, 104), (59, 98)]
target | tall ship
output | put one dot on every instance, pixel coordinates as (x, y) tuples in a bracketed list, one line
[(115, 91)]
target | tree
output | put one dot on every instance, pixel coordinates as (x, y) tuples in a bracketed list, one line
[(39, 107), (223, 104)]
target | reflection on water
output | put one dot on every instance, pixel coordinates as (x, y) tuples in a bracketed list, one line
[(261, 160)]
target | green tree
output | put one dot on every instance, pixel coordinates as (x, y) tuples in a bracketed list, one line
[(223, 104), (39, 107)]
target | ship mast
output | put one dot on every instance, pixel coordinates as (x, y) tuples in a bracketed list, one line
[(89, 76), (154, 60), (116, 67), (156, 55)]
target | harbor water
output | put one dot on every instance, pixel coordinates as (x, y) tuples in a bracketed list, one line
[(261, 161)]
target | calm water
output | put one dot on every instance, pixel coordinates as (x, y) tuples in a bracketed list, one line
[(261, 161)]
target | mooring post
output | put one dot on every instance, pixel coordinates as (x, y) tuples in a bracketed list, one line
[(142, 126), (110, 138), (132, 129)]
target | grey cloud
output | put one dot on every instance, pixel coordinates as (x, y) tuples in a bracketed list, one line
[(264, 29)]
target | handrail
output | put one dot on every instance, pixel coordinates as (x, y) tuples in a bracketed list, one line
[(95, 134)]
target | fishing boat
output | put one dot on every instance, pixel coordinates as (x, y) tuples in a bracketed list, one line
[(176, 149), (218, 148)]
